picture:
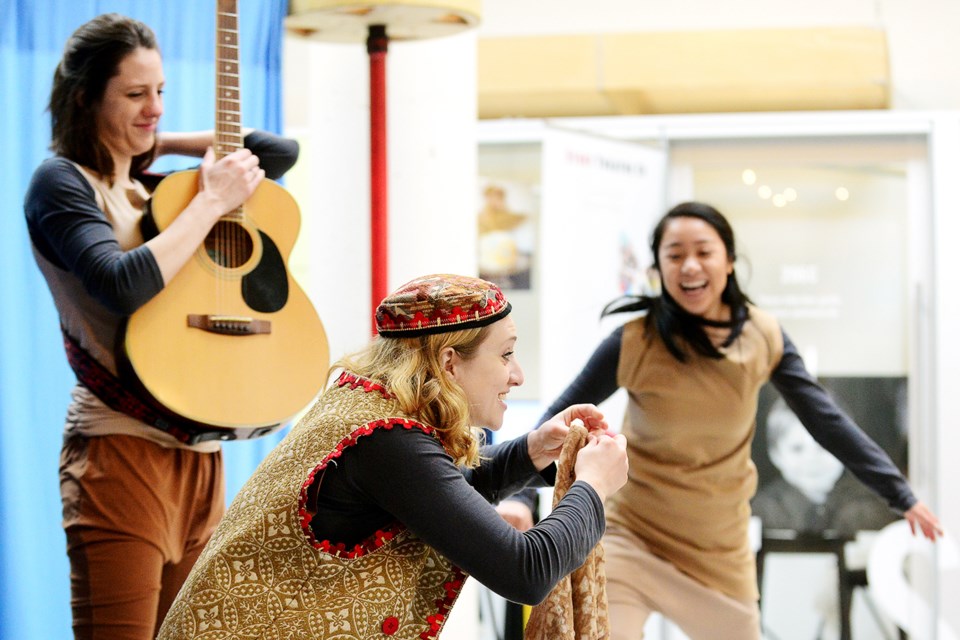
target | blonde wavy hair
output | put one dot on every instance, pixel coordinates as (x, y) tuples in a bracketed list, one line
[(410, 368)]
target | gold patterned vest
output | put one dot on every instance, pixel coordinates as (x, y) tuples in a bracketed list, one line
[(263, 575)]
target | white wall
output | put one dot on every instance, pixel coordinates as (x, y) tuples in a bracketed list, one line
[(432, 170)]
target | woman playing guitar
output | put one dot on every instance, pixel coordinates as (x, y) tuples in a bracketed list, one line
[(139, 502)]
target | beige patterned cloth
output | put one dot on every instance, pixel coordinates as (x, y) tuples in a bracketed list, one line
[(576, 609)]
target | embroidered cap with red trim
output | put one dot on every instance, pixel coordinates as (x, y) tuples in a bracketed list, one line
[(439, 303)]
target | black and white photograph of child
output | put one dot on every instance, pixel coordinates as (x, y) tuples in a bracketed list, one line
[(805, 489)]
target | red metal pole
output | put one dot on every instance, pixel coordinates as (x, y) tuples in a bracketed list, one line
[(377, 42)]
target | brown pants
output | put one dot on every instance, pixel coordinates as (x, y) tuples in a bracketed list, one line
[(136, 517), (639, 583)]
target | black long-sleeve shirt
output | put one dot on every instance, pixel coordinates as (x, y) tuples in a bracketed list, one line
[(70, 231), (405, 475), (820, 415)]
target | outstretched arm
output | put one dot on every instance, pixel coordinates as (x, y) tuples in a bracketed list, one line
[(416, 482), (841, 436), (596, 382)]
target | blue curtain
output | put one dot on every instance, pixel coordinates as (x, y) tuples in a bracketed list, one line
[(34, 377)]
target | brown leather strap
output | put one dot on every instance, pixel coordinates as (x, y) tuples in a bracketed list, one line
[(113, 393)]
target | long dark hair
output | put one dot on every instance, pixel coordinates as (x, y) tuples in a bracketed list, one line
[(668, 318), (91, 56)]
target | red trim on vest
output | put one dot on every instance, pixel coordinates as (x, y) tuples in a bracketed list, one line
[(368, 385), (379, 537), (452, 590)]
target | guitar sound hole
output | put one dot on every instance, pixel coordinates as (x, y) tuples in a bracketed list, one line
[(228, 244)]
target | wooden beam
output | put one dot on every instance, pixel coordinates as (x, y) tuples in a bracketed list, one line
[(683, 72)]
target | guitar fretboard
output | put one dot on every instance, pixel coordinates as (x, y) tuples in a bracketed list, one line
[(227, 129)]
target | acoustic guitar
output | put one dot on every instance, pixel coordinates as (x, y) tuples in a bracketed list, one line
[(232, 341)]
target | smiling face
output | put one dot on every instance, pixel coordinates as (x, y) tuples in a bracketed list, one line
[(132, 105), (488, 375), (694, 266)]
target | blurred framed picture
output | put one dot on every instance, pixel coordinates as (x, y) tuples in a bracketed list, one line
[(805, 489), (506, 234)]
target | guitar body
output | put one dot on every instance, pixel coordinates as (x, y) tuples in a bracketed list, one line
[(232, 341)]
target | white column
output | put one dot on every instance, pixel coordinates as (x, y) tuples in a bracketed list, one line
[(432, 167)]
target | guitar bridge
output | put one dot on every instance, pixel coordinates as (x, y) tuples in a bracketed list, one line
[(228, 325)]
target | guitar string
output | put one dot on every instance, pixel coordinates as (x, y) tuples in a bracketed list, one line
[(229, 234)]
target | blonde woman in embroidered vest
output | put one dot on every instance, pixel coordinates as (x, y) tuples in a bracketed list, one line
[(138, 503), (676, 539), (367, 518)]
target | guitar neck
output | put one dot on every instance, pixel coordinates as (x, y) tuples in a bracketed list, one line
[(227, 134)]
